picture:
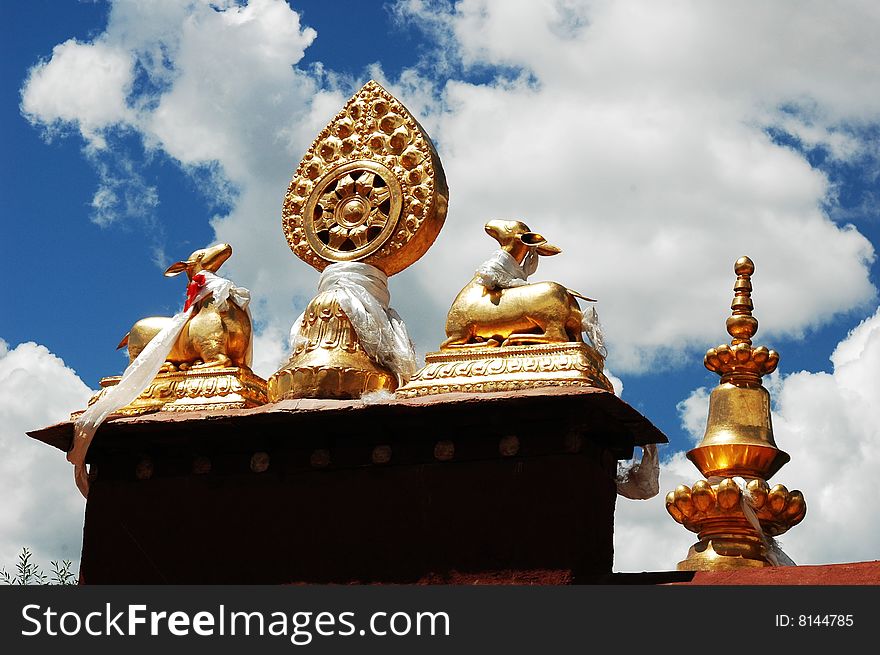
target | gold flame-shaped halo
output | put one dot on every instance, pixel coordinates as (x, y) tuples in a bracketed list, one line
[(370, 188)]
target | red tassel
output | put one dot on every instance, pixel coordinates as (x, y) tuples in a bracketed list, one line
[(192, 290)]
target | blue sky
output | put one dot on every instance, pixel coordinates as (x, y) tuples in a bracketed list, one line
[(653, 145)]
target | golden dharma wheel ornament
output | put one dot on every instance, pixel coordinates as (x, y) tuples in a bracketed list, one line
[(370, 188), (367, 200)]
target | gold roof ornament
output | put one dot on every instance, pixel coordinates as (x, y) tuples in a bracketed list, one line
[(197, 360), (369, 189), (739, 435), (734, 511), (367, 200), (504, 333)]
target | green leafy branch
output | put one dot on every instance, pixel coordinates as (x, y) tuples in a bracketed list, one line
[(29, 573)]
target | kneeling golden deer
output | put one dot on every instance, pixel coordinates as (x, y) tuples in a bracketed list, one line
[(543, 312), (214, 337)]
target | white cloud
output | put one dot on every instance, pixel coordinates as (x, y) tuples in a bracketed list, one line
[(122, 192), (270, 351), (693, 411), (235, 92), (83, 83), (218, 91), (42, 509), (632, 133), (637, 139), (830, 425), (615, 381)]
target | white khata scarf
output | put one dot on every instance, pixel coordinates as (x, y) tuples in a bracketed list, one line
[(362, 293), (641, 480), (501, 271), (146, 365)]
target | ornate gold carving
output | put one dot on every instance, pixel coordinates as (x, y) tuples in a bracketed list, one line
[(370, 188), (194, 390), (213, 337), (509, 368), (739, 433), (727, 539), (740, 363), (352, 211), (542, 312), (517, 337), (738, 442), (328, 360), (697, 508)]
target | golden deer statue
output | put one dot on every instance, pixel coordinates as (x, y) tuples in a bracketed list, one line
[(543, 312), (505, 334), (198, 359), (215, 336)]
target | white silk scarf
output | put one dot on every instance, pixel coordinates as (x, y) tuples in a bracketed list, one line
[(501, 271), (143, 369), (362, 293)]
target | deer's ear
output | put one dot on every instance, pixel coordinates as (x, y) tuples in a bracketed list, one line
[(539, 243), (547, 249), (532, 238), (175, 269)]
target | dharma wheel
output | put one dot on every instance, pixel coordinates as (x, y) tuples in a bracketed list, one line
[(370, 188)]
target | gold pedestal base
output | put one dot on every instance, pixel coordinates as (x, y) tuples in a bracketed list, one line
[(194, 390), (329, 374), (726, 554), (328, 361), (717, 513), (479, 369)]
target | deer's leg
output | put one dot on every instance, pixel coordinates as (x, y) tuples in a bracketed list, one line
[(459, 340), (489, 343), (221, 361), (525, 338), (553, 332)]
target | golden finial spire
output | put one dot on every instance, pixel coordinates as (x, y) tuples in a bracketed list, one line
[(737, 454), (742, 326), (740, 363)]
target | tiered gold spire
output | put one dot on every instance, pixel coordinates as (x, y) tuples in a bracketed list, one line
[(737, 455)]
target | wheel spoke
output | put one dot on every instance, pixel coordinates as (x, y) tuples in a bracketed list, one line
[(376, 219), (359, 236), (329, 201), (364, 184), (338, 235), (379, 195), (345, 186), (324, 220)]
